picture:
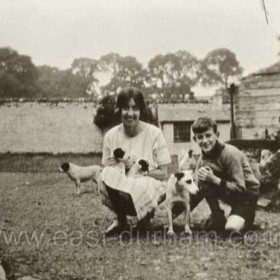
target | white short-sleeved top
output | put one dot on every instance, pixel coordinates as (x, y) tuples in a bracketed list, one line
[(149, 144)]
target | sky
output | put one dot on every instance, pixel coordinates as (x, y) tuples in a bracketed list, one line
[(55, 32)]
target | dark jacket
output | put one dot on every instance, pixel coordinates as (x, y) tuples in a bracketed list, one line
[(233, 167)]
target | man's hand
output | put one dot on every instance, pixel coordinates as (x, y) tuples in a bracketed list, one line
[(205, 174)]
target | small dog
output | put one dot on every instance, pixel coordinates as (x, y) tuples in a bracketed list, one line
[(140, 167), (265, 157), (120, 156), (80, 174), (186, 161), (179, 187)]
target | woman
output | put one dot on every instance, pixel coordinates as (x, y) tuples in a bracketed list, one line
[(140, 140)]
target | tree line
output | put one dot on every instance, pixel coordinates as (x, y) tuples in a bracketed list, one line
[(166, 76)]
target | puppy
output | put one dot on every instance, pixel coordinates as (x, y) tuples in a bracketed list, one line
[(120, 156), (140, 167), (179, 187), (186, 161), (265, 157), (80, 174)]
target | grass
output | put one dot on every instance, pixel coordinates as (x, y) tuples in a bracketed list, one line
[(68, 241)]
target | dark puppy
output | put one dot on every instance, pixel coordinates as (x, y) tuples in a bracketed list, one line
[(119, 153), (80, 174)]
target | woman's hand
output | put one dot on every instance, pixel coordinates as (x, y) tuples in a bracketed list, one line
[(110, 161), (129, 162)]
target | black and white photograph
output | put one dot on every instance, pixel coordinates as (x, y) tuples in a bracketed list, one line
[(139, 139)]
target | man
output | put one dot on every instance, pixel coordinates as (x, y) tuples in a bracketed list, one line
[(223, 172)]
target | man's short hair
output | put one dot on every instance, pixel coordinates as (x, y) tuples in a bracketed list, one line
[(202, 124)]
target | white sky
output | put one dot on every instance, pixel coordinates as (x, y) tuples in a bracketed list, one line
[(54, 32)]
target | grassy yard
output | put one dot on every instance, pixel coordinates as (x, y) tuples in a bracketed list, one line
[(48, 232)]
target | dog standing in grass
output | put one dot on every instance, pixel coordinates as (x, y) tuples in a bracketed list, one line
[(80, 174), (179, 187)]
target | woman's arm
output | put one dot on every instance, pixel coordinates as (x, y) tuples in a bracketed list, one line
[(107, 158), (161, 173)]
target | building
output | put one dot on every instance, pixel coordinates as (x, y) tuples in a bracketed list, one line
[(257, 105), (176, 120)]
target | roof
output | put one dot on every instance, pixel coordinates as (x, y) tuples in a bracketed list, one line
[(191, 111), (272, 69), (264, 78)]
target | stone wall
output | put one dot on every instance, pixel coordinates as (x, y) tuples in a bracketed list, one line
[(49, 127), (39, 135)]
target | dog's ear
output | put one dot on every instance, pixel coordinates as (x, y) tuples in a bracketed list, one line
[(179, 175), (118, 153), (65, 166), (144, 165)]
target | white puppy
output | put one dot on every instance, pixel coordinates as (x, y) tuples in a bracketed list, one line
[(80, 174), (266, 156), (179, 186), (186, 161)]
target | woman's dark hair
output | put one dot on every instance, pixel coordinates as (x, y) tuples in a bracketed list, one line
[(123, 99), (126, 94), (108, 112)]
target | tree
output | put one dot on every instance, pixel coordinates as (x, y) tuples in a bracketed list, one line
[(62, 83), (86, 68), (174, 74), (123, 71), (130, 72), (18, 75), (184, 74), (218, 67), (109, 64)]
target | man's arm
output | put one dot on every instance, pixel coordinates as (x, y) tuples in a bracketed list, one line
[(233, 164)]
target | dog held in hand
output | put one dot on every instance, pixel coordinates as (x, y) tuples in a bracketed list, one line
[(80, 174), (179, 187), (120, 156), (139, 168)]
